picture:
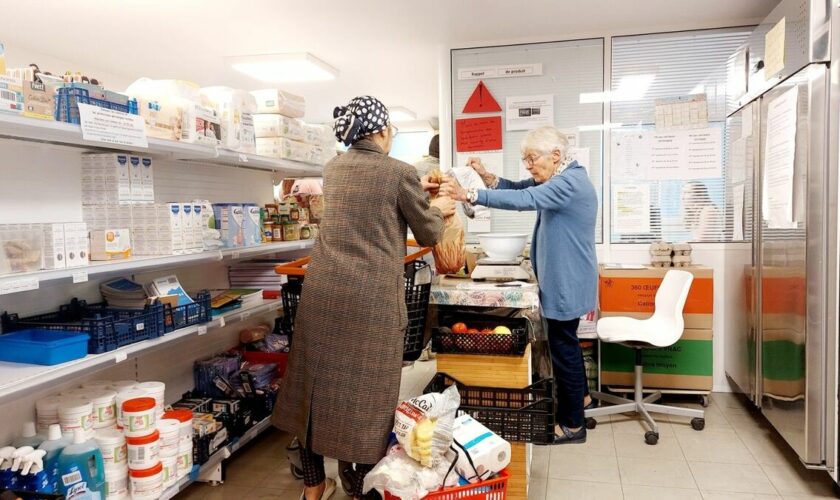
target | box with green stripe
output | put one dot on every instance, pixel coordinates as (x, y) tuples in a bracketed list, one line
[(686, 365)]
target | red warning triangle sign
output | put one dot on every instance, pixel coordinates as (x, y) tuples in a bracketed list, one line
[(481, 101)]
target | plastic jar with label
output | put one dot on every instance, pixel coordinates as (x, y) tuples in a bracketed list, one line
[(139, 416), (277, 232), (186, 419), (284, 212), (97, 385), (123, 385), (294, 212), (116, 482), (47, 411), (185, 457), (76, 392), (170, 470), (104, 408), (268, 231), (304, 215), (305, 232), (143, 452), (112, 445), (156, 390), (76, 414), (170, 434), (146, 483), (291, 231), (124, 396)]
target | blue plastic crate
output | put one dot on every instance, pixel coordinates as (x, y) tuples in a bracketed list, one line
[(69, 97), (43, 347), (186, 315), (109, 328)]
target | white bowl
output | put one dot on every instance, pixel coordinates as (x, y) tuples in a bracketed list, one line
[(502, 246)]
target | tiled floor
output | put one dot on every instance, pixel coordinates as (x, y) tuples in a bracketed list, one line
[(737, 457)]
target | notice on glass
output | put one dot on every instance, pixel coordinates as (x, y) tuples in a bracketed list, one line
[(738, 212), (630, 154), (529, 112), (631, 208), (682, 112), (478, 134), (774, 50), (685, 154), (738, 151), (112, 127), (580, 155), (779, 154)]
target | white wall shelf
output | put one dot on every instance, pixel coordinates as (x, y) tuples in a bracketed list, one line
[(66, 134), (11, 283), (17, 379)]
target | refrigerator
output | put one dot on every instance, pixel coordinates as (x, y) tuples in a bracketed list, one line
[(782, 103)]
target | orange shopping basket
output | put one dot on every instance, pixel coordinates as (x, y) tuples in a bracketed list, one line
[(491, 489)]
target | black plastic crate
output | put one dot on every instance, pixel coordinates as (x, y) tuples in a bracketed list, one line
[(416, 302), (480, 343), (522, 415), (186, 315), (205, 446), (109, 327)]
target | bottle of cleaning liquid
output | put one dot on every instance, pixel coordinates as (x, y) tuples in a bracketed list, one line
[(33, 476), (81, 471), (6, 474), (17, 459), (29, 437), (53, 446)]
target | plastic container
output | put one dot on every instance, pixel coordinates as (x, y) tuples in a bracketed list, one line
[(492, 489), (291, 231), (229, 221), (80, 467), (170, 435), (170, 470), (185, 315), (143, 452), (157, 391), (113, 447), (43, 347), (124, 396), (76, 392), (116, 482), (277, 234), (146, 483), (185, 417), (185, 458), (123, 385), (54, 445), (417, 306), (481, 343), (104, 408), (139, 417), (28, 437), (98, 385), (47, 412), (251, 228), (76, 415)]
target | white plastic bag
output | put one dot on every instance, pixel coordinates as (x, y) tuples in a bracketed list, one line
[(401, 476), (423, 425)]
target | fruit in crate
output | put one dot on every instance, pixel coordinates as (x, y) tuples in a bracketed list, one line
[(502, 330), (487, 331), (473, 331), (460, 328)]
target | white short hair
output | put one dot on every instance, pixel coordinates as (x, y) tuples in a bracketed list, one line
[(545, 140)]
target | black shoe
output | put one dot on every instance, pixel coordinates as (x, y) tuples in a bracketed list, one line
[(593, 403), (569, 437)]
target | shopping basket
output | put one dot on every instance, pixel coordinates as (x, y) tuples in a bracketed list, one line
[(491, 489), (416, 299)]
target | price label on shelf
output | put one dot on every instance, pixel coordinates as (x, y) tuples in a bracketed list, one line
[(235, 255), (243, 158), (80, 277), (120, 356), (19, 285), (202, 330), (222, 322)]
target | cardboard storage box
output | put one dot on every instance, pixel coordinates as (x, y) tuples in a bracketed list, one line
[(783, 364), (631, 292), (686, 365)]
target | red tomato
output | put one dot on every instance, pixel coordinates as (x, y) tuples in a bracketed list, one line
[(473, 330), (459, 328), (487, 330)]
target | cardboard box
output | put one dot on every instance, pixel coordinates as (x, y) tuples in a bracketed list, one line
[(55, 253), (77, 244), (135, 167), (11, 94), (631, 292), (148, 181), (38, 100), (519, 472), (783, 363), (686, 365), (110, 244)]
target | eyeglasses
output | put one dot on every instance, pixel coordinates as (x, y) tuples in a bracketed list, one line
[(531, 159), (394, 130)]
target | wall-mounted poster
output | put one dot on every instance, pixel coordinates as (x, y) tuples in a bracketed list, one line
[(529, 112), (478, 134), (482, 101)]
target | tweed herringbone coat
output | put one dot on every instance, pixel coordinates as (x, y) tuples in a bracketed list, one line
[(342, 383)]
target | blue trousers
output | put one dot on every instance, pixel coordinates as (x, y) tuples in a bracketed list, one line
[(569, 373)]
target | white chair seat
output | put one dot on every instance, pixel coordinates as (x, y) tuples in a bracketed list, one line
[(621, 329)]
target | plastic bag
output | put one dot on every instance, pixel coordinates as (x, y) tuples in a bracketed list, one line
[(451, 251), (424, 425), (401, 476)]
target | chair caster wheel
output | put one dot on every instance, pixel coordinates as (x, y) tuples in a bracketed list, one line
[(651, 437), (296, 473), (698, 424), (591, 423)]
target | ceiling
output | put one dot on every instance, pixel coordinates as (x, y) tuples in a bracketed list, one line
[(390, 49)]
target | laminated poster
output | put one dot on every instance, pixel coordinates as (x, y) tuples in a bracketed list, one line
[(478, 134), (529, 112), (779, 154), (631, 208)]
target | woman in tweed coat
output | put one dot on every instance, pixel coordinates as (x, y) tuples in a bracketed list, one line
[(342, 383)]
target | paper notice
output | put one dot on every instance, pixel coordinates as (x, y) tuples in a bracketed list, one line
[(112, 127), (774, 50), (738, 160), (529, 112), (683, 112), (630, 153), (493, 161), (580, 155), (779, 154), (631, 208), (738, 212), (478, 134), (746, 121), (469, 179)]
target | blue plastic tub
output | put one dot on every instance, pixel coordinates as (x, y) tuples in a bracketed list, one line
[(43, 347)]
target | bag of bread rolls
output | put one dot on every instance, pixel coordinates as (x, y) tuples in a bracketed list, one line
[(451, 251)]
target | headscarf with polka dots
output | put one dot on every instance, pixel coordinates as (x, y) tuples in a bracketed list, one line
[(365, 115)]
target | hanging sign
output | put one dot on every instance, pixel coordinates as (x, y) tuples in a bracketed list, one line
[(478, 134), (503, 71), (481, 101), (112, 127)]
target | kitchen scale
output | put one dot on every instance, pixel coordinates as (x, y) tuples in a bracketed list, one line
[(487, 269)]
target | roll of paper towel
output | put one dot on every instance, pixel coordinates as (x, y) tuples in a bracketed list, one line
[(475, 443)]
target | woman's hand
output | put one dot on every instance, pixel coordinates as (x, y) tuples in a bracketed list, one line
[(428, 185), (453, 190), (487, 177), (445, 204)]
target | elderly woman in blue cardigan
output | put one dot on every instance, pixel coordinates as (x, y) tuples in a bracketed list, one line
[(562, 254)]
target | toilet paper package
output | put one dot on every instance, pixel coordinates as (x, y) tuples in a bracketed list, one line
[(234, 109), (287, 149), (266, 125), (201, 125), (276, 101), (481, 453)]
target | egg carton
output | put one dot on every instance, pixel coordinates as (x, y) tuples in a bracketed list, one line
[(661, 249), (661, 261), (681, 261), (682, 249)]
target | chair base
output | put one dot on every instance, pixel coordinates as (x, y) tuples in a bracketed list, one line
[(642, 405)]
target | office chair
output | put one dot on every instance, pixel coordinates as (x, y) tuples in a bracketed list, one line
[(663, 329)]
